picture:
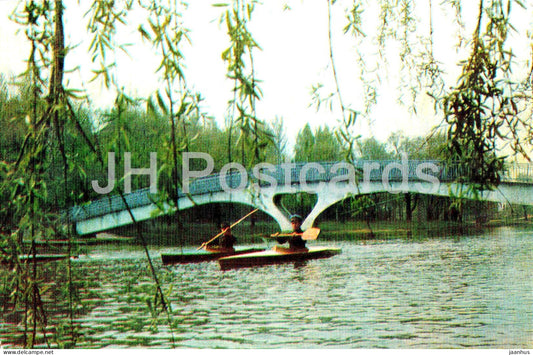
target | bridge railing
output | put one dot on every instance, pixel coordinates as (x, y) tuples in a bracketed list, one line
[(373, 170), (519, 173)]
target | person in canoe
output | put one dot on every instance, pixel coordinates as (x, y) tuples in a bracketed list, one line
[(224, 243), (296, 243)]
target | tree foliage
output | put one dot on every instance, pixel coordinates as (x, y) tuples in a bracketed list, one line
[(253, 136), (371, 149), (321, 145), (484, 110), (487, 111)]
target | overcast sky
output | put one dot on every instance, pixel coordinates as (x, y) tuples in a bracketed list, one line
[(294, 57)]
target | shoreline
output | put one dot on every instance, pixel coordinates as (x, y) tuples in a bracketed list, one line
[(195, 233)]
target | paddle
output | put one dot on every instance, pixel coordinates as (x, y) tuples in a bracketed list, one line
[(310, 234), (233, 225)]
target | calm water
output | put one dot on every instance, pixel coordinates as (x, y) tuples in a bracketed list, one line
[(472, 291)]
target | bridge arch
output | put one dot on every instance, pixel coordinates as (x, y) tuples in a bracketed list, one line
[(329, 195), (110, 212)]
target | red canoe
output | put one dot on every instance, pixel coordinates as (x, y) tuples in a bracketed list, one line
[(269, 257)]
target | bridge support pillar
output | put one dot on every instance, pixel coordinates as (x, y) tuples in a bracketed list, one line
[(326, 198), (269, 206)]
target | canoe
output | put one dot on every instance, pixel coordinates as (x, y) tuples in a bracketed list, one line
[(269, 257), (44, 257), (202, 256), (108, 239), (28, 258)]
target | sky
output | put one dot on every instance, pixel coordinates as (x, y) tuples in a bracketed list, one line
[(294, 56)]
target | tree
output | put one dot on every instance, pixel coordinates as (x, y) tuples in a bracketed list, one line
[(240, 68), (279, 141), (305, 142), (322, 145), (327, 147), (489, 107), (485, 108), (12, 126), (371, 149), (432, 147), (364, 207)]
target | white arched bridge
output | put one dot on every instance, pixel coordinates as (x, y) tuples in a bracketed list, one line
[(330, 181)]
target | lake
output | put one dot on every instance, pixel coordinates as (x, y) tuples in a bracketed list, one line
[(454, 292)]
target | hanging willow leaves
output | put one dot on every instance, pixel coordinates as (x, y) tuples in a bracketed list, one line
[(483, 111), (104, 29), (48, 120), (344, 131), (240, 68)]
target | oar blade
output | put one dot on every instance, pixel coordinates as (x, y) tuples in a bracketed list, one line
[(311, 234)]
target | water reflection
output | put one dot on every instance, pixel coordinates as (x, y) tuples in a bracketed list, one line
[(434, 293)]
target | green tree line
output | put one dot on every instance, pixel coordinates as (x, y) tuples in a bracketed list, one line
[(147, 131)]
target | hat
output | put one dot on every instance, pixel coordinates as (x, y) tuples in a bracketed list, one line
[(296, 216)]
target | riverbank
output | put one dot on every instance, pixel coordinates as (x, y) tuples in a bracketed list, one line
[(332, 230), (246, 233), (191, 234)]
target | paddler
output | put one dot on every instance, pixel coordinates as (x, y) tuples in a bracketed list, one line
[(296, 243), (225, 241)]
